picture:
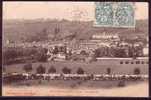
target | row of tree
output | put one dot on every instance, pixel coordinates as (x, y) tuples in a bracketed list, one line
[(41, 69)]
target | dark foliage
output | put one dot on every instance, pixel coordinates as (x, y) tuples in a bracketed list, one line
[(137, 71), (41, 55), (80, 71), (28, 67), (22, 55), (108, 70), (41, 69), (121, 83), (52, 70), (83, 52), (66, 70)]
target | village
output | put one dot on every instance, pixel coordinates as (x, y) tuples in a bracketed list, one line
[(108, 47), (75, 49)]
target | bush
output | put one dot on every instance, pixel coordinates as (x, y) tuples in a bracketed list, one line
[(80, 71), (83, 52), (41, 69), (27, 67), (97, 53), (108, 70), (121, 83), (52, 70), (94, 57), (66, 70), (137, 71)]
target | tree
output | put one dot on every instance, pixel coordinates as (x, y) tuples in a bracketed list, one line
[(41, 69), (27, 67), (108, 70), (9, 54), (55, 51), (136, 71), (66, 70), (41, 55), (83, 52), (52, 70), (97, 53), (80, 71), (93, 57)]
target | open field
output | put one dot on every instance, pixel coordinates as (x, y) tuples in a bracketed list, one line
[(85, 89), (77, 87), (91, 68)]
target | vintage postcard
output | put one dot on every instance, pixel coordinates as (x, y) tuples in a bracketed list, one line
[(75, 49)]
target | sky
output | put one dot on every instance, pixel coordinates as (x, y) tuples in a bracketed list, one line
[(60, 10)]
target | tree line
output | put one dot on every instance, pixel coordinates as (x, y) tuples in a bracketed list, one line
[(41, 69), (18, 55)]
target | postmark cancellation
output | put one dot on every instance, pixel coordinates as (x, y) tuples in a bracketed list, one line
[(113, 14)]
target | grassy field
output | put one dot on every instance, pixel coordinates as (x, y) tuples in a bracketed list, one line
[(94, 67)]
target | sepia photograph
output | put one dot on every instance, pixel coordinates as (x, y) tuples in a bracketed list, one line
[(73, 48)]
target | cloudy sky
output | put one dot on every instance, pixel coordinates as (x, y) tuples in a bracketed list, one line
[(60, 10)]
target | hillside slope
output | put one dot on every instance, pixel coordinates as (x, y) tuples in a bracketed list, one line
[(18, 30)]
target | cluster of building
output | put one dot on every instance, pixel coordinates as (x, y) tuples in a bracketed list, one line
[(108, 43)]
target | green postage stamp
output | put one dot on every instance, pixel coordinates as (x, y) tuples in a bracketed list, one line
[(115, 14)]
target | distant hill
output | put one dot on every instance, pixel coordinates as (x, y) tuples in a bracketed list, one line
[(18, 30)]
